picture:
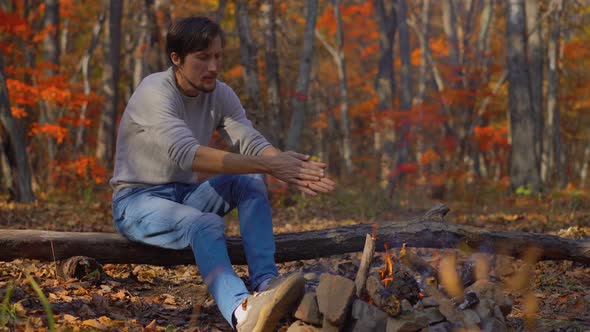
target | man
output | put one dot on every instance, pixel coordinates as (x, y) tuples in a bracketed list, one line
[(160, 199)]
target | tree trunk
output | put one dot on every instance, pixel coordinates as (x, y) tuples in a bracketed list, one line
[(555, 169), (344, 103), (106, 131), (16, 149), (84, 64), (422, 82), (535, 61), (449, 23), (220, 10), (248, 57), (524, 169), (405, 84), (272, 73), (424, 232), (302, 84), (51, 44), (142, 46), (385, 85)]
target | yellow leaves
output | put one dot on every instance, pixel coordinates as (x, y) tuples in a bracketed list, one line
[(102, 323)]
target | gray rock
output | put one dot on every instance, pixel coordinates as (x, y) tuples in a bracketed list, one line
[(368, 317), (429, 302), (334, 295), (499, 314), (299, 326), (484, 309), (440, 327), (406, 306), (487, 289), (407, 323), (494, 325), (308, 310), (471, 316), (432, 314)]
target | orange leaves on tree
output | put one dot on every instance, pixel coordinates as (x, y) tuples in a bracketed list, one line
[(491, 137), (21, 93), (429, 156), (236, 71), (320, 122), (18, 112), (14, 24), (82, 169), (58, 132)]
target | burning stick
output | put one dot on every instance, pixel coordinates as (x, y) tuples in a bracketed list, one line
[(383, 297), (367, 258)]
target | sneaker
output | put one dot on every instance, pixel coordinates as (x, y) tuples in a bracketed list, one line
[(265, 309)]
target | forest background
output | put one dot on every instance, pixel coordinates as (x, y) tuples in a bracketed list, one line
[(482, 104), (435, 97)]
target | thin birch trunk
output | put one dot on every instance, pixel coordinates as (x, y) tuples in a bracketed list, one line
[(272, 73), (385, 85), (302, 83), (555, 169), (85, 76), (344, 103)]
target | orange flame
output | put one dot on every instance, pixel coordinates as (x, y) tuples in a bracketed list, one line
[(387, 271)]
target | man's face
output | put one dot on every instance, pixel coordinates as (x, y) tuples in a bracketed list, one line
[(198, 72)]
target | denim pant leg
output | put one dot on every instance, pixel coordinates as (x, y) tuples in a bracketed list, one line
[(222, 193), (152, 216)]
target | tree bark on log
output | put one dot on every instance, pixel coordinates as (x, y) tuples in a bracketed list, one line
[(423, 232)]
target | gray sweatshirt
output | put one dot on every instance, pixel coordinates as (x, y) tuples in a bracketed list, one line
[(161, 129)]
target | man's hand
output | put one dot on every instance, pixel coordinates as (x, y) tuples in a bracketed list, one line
[(297, 169)]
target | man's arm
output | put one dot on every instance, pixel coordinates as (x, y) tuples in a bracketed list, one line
[(291, 167), (324, 184)]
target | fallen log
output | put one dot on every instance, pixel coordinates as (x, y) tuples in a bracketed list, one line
[(423, 232)]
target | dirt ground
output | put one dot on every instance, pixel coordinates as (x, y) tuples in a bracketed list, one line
[(152, 298)]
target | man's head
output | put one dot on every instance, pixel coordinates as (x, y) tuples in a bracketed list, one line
[(194, 45)]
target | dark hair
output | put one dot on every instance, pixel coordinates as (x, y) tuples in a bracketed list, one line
[(191, 34)]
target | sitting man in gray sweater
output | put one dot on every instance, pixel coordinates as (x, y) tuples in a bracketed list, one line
[(160, 199)]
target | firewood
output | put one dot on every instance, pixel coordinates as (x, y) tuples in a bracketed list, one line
[(383, 298), (367, 258)]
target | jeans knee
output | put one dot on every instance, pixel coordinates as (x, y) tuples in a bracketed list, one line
[(208, 225), (252, 184)]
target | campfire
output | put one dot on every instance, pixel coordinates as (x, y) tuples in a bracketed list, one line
[(405, 293)]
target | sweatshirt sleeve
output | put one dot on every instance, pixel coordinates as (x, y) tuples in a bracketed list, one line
[(236, 127), (158, 112)]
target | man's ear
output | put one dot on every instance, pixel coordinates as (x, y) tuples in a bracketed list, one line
[(175, 58)]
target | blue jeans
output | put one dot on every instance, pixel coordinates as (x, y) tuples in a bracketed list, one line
[(178, 215)]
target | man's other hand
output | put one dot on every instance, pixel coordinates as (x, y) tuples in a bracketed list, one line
[(298, 169)]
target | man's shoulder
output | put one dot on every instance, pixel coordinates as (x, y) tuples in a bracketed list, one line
[(157, 80)]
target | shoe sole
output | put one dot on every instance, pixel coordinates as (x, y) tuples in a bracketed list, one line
[(287, 295)]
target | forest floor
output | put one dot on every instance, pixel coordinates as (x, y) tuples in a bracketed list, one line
[(152, 298)]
